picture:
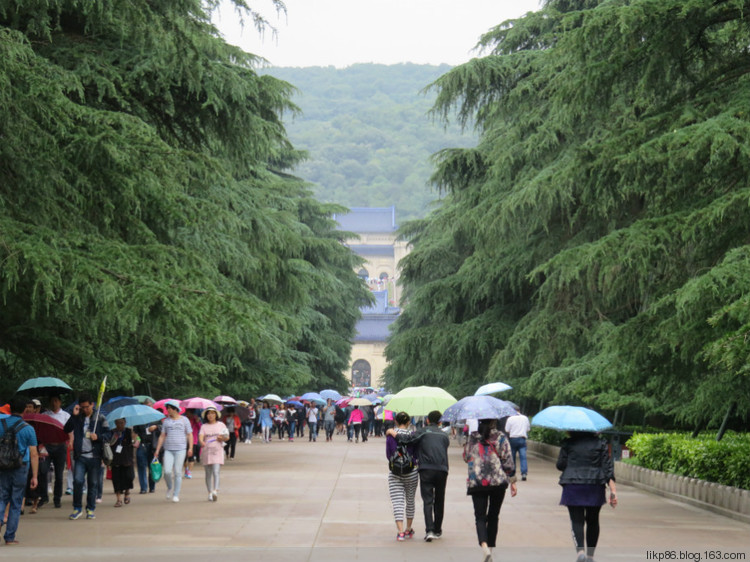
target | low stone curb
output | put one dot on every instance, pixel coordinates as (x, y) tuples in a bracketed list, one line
[(725, 500)]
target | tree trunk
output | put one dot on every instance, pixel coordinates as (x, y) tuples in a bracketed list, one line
[(723, 427)]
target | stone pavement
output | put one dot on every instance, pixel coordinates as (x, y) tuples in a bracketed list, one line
[(328, 502)]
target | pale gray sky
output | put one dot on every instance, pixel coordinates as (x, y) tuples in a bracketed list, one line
[(344, 32)]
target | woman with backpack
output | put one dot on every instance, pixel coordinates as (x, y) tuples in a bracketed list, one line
[(402, 478), (490, 464)]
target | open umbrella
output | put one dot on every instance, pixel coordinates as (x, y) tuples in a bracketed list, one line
[(199, 403), (48, 429), (344, 401), (44, 385), (420, 400), (295, 403), (143, 398), (571, 418), (161, 405), (313, 396), (330, 393), (228, 400), (479, 408), (373, 398), (492, 388), (116, 402), (274, 398), (134, 414), (359, 402)]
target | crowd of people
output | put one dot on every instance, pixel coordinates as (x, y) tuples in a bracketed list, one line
[(417, 453)]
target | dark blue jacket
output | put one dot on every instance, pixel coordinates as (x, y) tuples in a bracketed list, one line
[(103, 432)]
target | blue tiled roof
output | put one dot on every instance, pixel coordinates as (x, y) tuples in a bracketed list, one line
[(379, 306), (374, 327), (368, 219)]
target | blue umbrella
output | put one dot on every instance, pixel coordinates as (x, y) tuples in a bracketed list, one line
[(312, 396), (571, 418), (479, 408), (374, 398), (295, 403), (492, 388), (44, 385), (135, 414), (116, 402), (329, 393)]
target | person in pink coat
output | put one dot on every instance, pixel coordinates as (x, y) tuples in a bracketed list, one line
[(355, 421), (211, 437)]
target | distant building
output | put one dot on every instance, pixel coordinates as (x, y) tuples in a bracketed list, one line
[(377, 245)]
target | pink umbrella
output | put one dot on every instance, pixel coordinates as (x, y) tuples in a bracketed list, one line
[(225, 400), (161, 405), (199, 403), (344, 401)]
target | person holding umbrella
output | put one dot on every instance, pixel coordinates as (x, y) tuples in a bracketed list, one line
[(176, 436), (490, 463), (586, 469), (58, 452), (123, 443), (90, 431), (211, 436)]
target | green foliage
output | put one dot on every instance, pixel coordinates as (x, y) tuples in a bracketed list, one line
[(592, 248), (367, 133), (148, 229), (724, 462), (549, 436)]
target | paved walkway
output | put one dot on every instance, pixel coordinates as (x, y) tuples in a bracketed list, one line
[(328, 502)]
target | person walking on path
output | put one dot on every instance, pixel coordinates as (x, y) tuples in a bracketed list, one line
[(248, 425), (58, 452), (195, 425), (266, 422), (176, 436), (586, 471), (13, 480), (355, 422), (232, 422), (123, 443), (212, 434), (517, 427), (490, 465), (329, 419), (312, 422), (90, 431), (402, 488), (432, 456)]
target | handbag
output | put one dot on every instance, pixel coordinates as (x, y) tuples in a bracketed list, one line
[(107, 454), (156, 470)]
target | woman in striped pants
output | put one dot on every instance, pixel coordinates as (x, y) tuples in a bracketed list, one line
[(402, 488)]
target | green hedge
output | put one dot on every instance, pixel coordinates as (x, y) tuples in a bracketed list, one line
[(725, 462)]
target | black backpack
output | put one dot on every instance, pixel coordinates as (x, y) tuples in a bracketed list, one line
[(401, 462), (10, 457)]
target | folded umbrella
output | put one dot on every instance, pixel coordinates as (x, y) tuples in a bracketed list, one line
[(571, 418), (135, 414), (478, 408)]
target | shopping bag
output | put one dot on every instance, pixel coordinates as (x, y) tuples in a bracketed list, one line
[(156, 470)]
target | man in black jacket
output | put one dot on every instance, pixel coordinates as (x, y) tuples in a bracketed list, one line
[(90, 430), (432, 454)]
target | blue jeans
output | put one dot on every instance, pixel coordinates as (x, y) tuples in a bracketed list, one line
[(292, 427), (142, 460), (248, 427), (12, 487), (518, 444), (89, 469), (313, 431)]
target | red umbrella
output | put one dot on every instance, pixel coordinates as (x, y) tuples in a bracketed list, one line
[(48, 429), (161, 405)]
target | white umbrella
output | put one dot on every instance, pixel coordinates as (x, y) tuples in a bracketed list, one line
[(272, 398), (492, 388)]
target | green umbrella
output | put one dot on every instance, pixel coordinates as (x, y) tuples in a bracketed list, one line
[(44, 385), (420, 400), (143, 398)]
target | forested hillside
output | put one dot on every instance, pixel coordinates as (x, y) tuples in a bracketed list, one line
[(368, 134)]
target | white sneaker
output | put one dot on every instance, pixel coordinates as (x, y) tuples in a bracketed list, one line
[(175, 499), (210, 497), (169, 494), (214, 496)]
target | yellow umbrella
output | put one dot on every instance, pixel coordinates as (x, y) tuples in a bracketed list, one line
[(420, 400)]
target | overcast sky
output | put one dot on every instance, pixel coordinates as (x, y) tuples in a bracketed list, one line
[(344, 32)]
